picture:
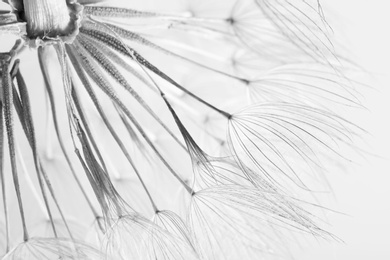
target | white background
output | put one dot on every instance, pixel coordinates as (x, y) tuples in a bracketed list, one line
[(363, 194)]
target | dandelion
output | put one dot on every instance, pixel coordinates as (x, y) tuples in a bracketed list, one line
[(167, 134)]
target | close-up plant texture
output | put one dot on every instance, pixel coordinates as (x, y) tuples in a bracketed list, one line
[(203, 131)]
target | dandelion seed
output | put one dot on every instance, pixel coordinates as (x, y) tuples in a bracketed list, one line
[(49, 248), (171, 222), (135, 237), (222, 217), (161, 169), (289, 138)]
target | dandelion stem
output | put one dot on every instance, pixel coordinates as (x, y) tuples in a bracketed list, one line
[(94, 72), (155, 70), (30, 183), (117, 43), (110, 68), (111, 129), (22, 107), (2, 179), (49, 92), (8, 115), (88, 130), (50, 188), (99, 179), (108, 11), (133, 135), (115, 136), (129, 35), (25, 116), (48, 126)]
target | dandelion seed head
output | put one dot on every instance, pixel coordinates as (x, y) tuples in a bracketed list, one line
[(186, 132)]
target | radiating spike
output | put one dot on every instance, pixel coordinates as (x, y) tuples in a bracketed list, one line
[(118, 46), (116, 12), (2, 177), (49, 91), (109, 199), (115, 73), (28, 126), (99, 79), (9, 124), (120, 144)]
